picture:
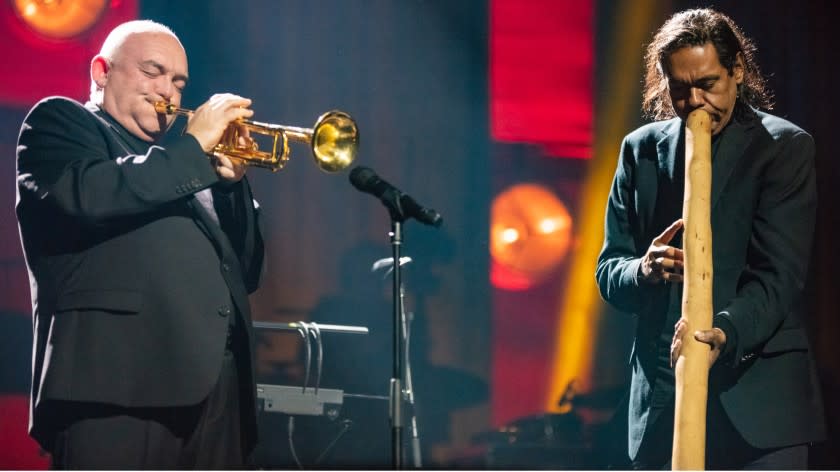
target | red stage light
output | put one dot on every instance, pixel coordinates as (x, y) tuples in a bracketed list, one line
[(45, 63), (59, 19), (541, 74)]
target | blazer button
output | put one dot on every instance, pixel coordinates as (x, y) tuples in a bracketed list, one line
[(226, 267), (224, 311)]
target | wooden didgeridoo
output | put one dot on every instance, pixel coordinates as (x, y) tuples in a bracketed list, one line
[(692, 367)]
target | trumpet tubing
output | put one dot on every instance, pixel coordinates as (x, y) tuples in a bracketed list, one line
[(333, 140)]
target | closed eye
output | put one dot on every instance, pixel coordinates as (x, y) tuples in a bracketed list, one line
[(707, 84), (151, 69)]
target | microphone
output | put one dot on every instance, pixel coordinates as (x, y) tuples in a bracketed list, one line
[(401, 205)]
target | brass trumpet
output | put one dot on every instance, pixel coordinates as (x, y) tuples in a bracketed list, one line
[(334, 140)]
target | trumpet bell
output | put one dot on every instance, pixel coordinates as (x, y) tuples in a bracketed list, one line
[(335, 141)]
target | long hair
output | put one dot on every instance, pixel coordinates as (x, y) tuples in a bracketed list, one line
[(696, 28)]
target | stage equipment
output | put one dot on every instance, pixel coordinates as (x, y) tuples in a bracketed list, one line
[(307, 399), (311, 330), (408, 390), (692, 368), (293, 400), (401, 208), (400, 205), (334, 140)]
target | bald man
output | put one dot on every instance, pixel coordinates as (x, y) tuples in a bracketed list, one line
[(141, 252)]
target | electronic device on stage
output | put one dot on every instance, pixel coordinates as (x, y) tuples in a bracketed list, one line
[(305, 399), (295, 400)]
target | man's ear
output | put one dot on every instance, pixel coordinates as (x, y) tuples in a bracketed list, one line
[(99, 70), (738, 68)]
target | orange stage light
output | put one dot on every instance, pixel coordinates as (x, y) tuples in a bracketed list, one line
[(48, 45), (59, 19), (530, 235)]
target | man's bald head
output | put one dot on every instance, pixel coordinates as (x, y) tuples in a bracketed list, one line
[(141, 63), (115, 40)]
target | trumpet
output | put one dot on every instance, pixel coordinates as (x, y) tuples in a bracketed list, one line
[(334, 140)]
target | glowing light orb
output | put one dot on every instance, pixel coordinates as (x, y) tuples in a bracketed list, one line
[(530, 235), (59, 19)]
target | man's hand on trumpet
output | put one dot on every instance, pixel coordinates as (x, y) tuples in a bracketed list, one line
[(210, 121), (229, 169)]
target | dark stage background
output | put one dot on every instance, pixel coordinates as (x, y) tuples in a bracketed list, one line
[(414, 74)]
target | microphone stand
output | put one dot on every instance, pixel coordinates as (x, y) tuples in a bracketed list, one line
[(400, 207), (409, 384), (395, 391)]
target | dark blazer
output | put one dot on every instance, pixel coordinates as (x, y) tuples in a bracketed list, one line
[(763, 218), (133, 284)]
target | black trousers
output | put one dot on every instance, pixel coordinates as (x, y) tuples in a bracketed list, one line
[(725, 448), (204, 436)]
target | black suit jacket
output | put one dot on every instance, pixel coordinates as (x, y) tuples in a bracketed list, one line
[(133, 283), (763, 218)]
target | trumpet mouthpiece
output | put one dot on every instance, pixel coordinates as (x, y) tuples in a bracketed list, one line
[(165, 108)]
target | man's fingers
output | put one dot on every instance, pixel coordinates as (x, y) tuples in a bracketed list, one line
[(677, 255), (662, 259), (230, 169), (676, 347), (211, 121), (715, 336), (238, 113), (667, 269), (676, 341), (667, 263), (672, 277), (707, 336), (222, 160), (669, 232), (228, 100)]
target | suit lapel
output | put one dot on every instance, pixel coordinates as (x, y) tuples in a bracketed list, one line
[(734, 140), (129, 144), (668, 151), (203, 219), (210, 227)]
